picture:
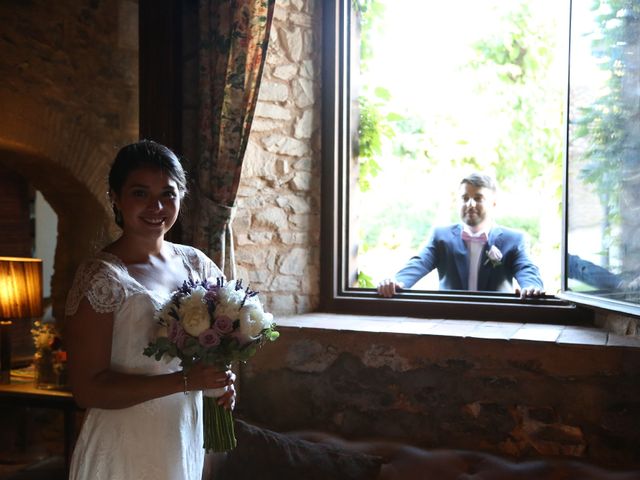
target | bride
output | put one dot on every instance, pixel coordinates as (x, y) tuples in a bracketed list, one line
[(144, 418)]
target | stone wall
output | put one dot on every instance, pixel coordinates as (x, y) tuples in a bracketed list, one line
[(277, 222), (617, 323), (512, 397)]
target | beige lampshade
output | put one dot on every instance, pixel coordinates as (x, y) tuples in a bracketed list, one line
[(20, 287)]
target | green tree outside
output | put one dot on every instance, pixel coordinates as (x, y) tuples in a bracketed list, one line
[(509, 69)]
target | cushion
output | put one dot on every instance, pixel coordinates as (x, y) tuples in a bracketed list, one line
[(267, 455)]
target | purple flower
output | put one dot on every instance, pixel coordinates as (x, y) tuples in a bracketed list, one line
[(211, 299), (223, 325), (187, 287), (173, 330), (211, 295), (176, 333), (209, 338)]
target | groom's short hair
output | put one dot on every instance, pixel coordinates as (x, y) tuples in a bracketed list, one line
[(480, 180)]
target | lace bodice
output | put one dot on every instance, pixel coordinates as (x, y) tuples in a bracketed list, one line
[(160, 438), (106, 282)]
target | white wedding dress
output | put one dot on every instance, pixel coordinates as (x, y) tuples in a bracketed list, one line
[(157, 440)]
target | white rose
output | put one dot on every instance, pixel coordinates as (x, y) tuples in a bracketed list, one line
[(194, 314), (231, 311), (253, 320), (494, 255), (228, 295)]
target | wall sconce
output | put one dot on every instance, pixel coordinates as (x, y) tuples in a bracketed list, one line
[(20, 297)]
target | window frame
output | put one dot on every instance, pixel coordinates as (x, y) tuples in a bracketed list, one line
[(335, 296)]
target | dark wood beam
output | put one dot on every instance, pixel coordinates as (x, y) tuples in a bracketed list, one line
[(160, 37)]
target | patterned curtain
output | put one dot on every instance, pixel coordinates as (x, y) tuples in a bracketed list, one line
[(233, 39)]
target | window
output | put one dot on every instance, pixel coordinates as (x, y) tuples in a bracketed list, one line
[(350, 159), (602, 242)]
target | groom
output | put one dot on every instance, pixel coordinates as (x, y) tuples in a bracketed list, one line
[(476, 255)]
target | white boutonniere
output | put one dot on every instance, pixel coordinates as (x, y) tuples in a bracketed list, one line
[(494, 255)]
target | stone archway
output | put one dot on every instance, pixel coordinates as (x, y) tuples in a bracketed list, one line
[(81, 217)]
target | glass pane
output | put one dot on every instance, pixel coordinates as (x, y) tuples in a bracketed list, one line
[(603, 238), (442, 89)]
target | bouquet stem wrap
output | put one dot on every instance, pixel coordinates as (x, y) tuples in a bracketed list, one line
[(219, 434)]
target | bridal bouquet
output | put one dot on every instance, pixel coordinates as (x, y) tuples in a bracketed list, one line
[(215, 323)]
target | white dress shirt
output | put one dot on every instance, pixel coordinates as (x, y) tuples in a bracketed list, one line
[(475, 256)]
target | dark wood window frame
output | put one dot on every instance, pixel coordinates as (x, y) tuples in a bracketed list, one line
[(336, 296)]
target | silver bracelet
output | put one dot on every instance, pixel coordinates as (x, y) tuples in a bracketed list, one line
[(186, 383)]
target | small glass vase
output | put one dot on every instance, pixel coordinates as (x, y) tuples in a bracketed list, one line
[(45, 375)]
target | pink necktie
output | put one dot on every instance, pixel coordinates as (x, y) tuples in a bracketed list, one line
[(467, 237)]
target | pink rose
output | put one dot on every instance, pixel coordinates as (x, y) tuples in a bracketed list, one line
[(223, 324), (173, 330), (209, 338), (176, 333)]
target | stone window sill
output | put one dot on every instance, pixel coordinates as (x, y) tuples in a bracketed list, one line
[(526, 332)]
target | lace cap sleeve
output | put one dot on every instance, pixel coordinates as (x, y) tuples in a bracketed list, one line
[(98, 281)]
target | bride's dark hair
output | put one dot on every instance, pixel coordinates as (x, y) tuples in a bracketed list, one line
[(145, 153)]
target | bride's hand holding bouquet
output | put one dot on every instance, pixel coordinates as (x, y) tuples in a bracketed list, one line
[(205, 377)]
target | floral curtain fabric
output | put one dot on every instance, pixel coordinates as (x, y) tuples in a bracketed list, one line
[(233, 39)]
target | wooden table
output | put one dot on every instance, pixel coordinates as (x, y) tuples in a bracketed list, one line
[(22, 393)]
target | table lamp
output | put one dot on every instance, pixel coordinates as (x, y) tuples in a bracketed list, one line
[(20, 297)]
